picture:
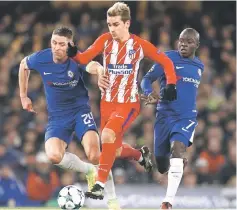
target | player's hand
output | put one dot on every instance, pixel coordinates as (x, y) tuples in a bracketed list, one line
[(71, 50), (103, 82), (170, 93), (152, 98), (27, 104)]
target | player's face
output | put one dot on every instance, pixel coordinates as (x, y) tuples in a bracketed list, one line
[(187, 45), (59, 46), (117, 27)]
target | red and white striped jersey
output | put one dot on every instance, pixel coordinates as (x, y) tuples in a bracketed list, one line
[(121, 61)]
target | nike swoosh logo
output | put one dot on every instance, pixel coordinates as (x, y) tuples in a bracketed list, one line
[(45, 73), (179, 67), (90, 125), (119, 116)]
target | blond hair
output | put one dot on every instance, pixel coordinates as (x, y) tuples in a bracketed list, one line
[(120, 9)]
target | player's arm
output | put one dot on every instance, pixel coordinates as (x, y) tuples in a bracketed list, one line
[(85, 57), (96, 68), (93, 67), (150, 96), (151, 52), (161, 58), (152, 75), (24, 74)]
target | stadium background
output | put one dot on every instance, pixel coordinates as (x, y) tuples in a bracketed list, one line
[(26, 27)]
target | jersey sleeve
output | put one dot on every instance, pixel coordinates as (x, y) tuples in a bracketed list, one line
[(153, 74), (95, 49), (32, 61), (151, 52)]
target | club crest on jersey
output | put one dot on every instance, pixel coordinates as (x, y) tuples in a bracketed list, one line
[(131, 54), (70, 74), (200, 72)]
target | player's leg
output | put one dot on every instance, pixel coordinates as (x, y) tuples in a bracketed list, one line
[(162, 129), (57, 138), (128, 152), (181, 135), (106, 161), (109, 186), (175, 172), (106, 109), (143, 155), (110, 144), (114, 129), (91, 144), (87, 132)]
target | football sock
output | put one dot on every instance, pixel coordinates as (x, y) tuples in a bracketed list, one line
[(107, 158), (73, 162), (109, 187), (174, 177), (130, 153)]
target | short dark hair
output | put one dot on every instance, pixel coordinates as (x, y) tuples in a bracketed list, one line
[(63, 31)]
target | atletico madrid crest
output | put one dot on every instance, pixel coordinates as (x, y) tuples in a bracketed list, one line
[(131, 54)]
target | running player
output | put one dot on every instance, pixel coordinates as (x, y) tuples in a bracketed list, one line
[(122, 53), (175, 121), (68, 108)]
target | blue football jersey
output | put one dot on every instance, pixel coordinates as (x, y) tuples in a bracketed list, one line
[(63, 83), (189, 72)]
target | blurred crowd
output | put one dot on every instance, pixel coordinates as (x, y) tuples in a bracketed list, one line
[(25, 171)]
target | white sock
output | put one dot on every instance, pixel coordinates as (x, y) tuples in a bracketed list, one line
[(140, 159), (73, 162), (110, 188), (100, 183), (174, 177)]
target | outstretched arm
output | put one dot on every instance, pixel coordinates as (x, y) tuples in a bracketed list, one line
[(85, 57), (154, 54), (96, 68), (170, 92)]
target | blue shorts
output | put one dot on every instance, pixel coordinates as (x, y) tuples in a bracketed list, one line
[(62, 127), (168, 129)]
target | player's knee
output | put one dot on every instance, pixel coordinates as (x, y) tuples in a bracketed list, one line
[(163, 164), (108, 136), (90, 142), (55, 157), (93, 158), (178, 149), (55, 149)]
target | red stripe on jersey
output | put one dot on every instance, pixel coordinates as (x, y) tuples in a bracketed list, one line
[(120, 60), (132, 77), (106, 56)]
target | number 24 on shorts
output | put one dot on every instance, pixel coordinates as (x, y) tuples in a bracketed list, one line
[(88, 118)]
